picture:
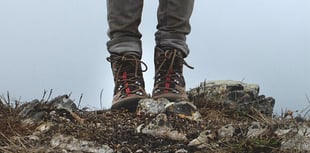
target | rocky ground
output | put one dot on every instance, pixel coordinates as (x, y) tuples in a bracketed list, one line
[(223, 116)]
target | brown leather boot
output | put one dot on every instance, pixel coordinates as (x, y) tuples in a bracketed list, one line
[(169, 81), (128, 79)]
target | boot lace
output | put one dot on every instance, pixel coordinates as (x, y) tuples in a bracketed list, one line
[(128, 74), (168, 75)]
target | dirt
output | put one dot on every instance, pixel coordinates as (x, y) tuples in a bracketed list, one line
[(118, 130)]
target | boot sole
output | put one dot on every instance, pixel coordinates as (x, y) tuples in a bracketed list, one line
[(129, 103), (172, 97)]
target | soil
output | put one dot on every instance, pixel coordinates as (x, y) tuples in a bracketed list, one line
[(117, 129)]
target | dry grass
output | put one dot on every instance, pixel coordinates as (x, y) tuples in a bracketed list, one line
[(117, 129)]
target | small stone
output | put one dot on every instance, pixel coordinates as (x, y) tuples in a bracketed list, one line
[(160, 127), (203, 138), (27, 122), (256, 129), (181, 151), (33, 137), (151, 106), (226, 131), (69, 143), (28, 108), (183, 110), (53, 112), (44, 127), (63, 102), (299, 118), (139, 128), (300, 141), (281, 132), (139, 151)]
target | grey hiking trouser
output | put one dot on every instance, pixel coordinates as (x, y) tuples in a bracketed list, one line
[(124, 17)]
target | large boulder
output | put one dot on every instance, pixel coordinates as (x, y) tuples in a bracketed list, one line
[(239, 95)]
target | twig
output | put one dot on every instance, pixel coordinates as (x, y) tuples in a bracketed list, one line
[(8, 95), (252, 117), (241, 131), (10, 142), (306, 113), (44, 93), (77, 117), (5, 150), (261, 115), (307, 108), (80, 100), (49, 95), (8, 102), (69, 95), (3, 99), (242, 80), (21, 143), (283, 112), (13, 130), (17, 102), (101, 92), (307, 98)]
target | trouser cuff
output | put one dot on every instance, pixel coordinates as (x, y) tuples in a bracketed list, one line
[(119, 47), (175, 43)]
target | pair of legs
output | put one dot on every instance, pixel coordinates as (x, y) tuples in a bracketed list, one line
[(124, 17)]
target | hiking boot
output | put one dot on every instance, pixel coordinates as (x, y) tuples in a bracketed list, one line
[(169, 82), (128, 80)]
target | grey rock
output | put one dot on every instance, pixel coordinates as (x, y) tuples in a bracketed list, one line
[(256, 129), (36, 110), (42, 128), (222, 86), (204, 140), (139, 151), (181, 151), (63, 102), (201, 139), (69, 143), (160, 127), (184, 110), (262, 104), (299, 141), (151, 106), (32, 110), (33, 137), (281, 132), (226, 131), (238, 95), (27, 121)]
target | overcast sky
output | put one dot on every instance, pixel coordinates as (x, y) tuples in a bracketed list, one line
[(61, 45)]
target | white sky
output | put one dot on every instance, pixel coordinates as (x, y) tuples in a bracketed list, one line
[(60, 45)]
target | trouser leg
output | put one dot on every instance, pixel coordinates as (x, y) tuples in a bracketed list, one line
[(173, 23), (124, 17)]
